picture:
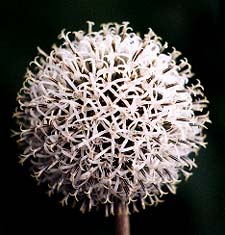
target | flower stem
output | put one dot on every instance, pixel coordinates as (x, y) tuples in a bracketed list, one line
[(122, 219)]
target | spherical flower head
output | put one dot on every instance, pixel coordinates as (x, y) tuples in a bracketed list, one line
[(111, 117)]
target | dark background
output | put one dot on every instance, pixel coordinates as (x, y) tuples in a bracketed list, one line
[(194, 27)]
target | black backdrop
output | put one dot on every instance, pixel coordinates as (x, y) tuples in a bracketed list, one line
[(194, 27)]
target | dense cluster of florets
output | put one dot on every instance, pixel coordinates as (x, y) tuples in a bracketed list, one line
[(109, 116)]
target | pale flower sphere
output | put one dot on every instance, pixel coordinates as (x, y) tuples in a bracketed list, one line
[(111, 117)]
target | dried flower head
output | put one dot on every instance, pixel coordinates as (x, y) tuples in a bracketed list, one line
[(109, 116)]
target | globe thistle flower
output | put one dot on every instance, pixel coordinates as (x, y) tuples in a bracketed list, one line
[(111, 117)]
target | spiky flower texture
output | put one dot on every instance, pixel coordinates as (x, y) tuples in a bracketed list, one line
[(111, 117)]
